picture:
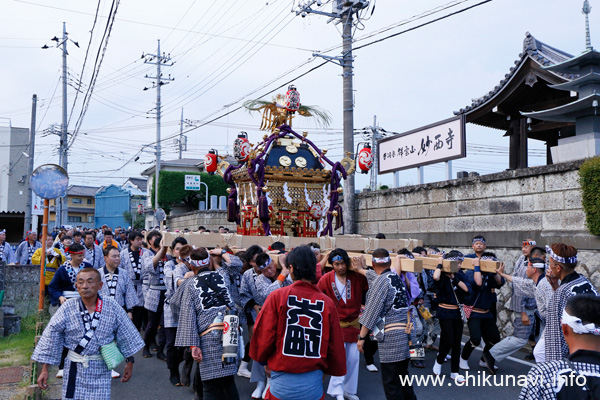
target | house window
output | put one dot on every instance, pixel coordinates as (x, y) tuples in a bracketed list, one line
[(73, 219), (89, 201), (90, 218), (76, 200)]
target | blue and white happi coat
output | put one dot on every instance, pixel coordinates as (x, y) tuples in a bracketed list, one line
[(63, 282), (156, 281), (135, 271), (66, 329), (25, 252), (257, 287), (94, 256), (572, 285), (199, 307), (171, 284), (231, 273), (388, 298), (7, 253), (118, 286)]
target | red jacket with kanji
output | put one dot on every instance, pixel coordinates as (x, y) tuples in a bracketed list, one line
[(349, 310), (298, 330)]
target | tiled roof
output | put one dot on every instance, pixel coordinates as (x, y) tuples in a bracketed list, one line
[(88, 191), (533, 49), (141, 183)]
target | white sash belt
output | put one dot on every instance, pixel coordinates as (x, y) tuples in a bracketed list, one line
[(78, 358)]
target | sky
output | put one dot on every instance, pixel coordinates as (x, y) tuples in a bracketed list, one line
[(228, 51)]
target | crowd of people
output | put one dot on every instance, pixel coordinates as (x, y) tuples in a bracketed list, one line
[(306, 314)]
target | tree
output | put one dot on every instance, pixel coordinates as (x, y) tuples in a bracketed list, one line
[(138, 221), (171, 189)]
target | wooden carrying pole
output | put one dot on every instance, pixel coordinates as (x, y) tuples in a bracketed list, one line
[(43, 257), (430, 262)]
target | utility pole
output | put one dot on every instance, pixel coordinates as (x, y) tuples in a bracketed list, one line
[(28, 206), (159, 60), (343, 11), (63, 135), (62, 205), (374, 141), (182, 142)]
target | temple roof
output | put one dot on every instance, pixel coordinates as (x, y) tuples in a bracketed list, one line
[(586, 62), (568, 113), (535, 56)]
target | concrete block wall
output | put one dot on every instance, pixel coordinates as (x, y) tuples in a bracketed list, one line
[(210, 219), (22, 288)]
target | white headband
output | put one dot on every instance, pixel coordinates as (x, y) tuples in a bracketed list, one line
[(315, 250), (266, 264), (381, 260), (555, 257), (200, 263), (577, 325), (3, 231)]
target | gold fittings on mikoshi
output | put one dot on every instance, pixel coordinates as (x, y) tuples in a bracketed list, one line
[(228, 190), (305, 134), (340, 189), (265, 189), (334, 213), (324, 151)]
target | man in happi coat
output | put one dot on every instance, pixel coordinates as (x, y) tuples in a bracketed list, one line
[(563, 260), (117, 284), (84, 325), (578, 376), (346, 289), (131, 260), (93, 252), (27, 248), (6, 252), (153, 264), (298, 334), (203, 305), (388, 299)]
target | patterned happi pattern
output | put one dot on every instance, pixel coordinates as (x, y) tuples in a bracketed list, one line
[(198, 309), (66, 328), (124, 291), (388, 298), (556, 347)]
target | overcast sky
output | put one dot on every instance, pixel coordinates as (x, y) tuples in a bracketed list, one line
[(229, 51)]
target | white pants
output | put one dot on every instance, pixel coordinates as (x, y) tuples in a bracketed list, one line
[(539, 351), (349, 382)]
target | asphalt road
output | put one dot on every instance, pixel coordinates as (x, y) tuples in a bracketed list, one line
[(150, 381)]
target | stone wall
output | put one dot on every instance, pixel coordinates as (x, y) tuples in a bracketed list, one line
[(541, 203), (22, 288), (210, 219)]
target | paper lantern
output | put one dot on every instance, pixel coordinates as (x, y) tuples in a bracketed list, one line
[(241, 147), (365, 159), (292, 99), (210, 162)]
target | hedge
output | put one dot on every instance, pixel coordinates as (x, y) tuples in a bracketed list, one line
[(589, 179), (171, 189)]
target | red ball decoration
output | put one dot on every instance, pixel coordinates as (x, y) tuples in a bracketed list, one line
[(210, 162), (317, 210), (365, 159), (241, 147)]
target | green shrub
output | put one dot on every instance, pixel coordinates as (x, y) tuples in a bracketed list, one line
[(589, 179), (171, 189)]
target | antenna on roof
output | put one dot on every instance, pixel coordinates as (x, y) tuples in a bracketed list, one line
[(586, 10)]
